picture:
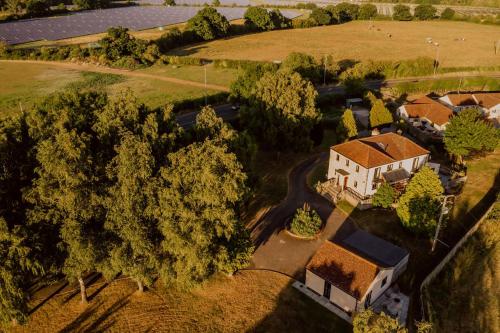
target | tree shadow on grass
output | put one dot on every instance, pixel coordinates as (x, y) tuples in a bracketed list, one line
[(100, 324)]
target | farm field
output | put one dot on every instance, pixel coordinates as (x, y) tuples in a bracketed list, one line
[(250, 301), (356, 40), (24, 84)]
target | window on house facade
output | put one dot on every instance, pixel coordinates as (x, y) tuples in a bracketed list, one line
[(374, 186), (389, 167), (384, 281), (346, 162), (338, 157), (357, 168), (400, 165), (415, 164), (377, 173), (355, 184)]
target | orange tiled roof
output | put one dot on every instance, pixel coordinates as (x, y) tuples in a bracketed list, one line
[(487, 100), (425, 107), (462, 99), (379, 150), (343, 269)]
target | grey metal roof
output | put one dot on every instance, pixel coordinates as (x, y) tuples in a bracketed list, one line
[(396, 175), (376, 249)]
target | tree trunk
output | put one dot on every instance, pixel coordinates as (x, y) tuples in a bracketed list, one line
[(83, 290), (140, 285), (14, 322)]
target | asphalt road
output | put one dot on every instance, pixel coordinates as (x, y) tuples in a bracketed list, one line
[(227, 112)]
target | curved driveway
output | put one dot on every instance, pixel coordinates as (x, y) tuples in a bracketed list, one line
[(278, 250)]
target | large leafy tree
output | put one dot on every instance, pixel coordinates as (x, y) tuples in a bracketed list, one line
[(347, 125), (367, 11), (69, 184), (425, 12), (418, 208), (16, 264), (468, 134), (259, 18), (283, 111), (379, 114), (244, 86), (302, 63), (209, 24), (210, 126), (384, 197), (199, 195), (321, 16), (402, 13)]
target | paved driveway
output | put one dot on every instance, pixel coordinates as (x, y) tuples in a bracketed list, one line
[(275, 248)]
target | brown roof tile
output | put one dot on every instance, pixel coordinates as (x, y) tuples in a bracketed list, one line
[(379, 150), (462, 99), (343, 269), (426, 107), (487, 100)]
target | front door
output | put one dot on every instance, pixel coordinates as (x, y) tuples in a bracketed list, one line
[(345, 182), (327, 290)]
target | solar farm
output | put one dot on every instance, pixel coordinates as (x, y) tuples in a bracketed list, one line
[(98, 21)]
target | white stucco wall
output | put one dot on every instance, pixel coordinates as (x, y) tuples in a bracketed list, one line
[(359, 177), (494, 112), (314, 282), (376, 285), (342, 299)]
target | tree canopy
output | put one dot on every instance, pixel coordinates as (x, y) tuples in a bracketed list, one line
[(369, 322), (208, 24), (425, 12), (347, 125), (402, 13), (321, 16), (302, 63), (384, 197), (379, 114), (418, 208), (282, 111), (197, 202), (468, 133), (367, 11)]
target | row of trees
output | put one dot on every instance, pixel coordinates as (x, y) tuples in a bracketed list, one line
[(423, 12), (343, 12), (90, 184)]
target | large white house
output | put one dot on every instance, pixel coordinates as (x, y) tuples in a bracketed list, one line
[(360, 166), (354, 273), (487, 102), (426, 114)]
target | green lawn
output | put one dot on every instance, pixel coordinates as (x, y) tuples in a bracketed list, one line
[(22, 85), (218, 76)]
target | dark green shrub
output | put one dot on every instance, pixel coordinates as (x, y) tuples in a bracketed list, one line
[(303, 64), (208, 24), (447, 14), (301, 24), (306, 222)]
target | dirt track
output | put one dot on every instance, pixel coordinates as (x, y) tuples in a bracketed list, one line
[(102, 69)]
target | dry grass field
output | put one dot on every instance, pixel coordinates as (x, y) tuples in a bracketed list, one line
[(250, 301), (355, 40)]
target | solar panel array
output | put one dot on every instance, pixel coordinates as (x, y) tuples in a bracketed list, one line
[(97, 21)]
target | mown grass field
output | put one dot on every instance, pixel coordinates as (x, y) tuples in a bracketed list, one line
[(25, 84), (464, 297), (359, 41), (250, 301)]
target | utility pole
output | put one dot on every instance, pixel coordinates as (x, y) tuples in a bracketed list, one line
[(324, 71), (206, 93), (444, 211)]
